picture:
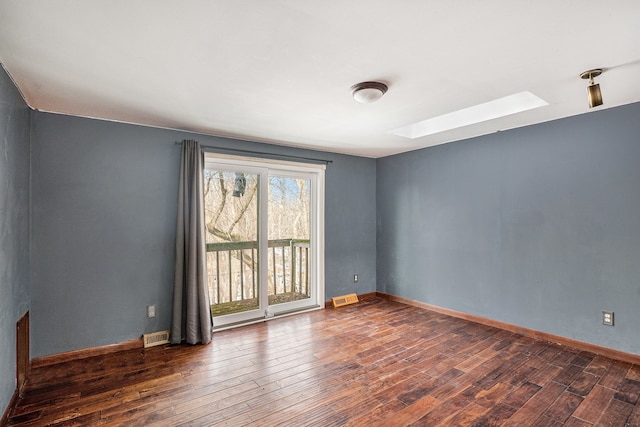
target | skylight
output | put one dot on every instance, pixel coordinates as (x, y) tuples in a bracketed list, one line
[(501, 107)]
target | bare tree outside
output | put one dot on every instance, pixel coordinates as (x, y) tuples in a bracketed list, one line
[(231, 217)]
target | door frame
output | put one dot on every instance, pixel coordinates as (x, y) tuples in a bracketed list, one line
[(265, 167)]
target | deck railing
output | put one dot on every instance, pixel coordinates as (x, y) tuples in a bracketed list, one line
[(233, 269)]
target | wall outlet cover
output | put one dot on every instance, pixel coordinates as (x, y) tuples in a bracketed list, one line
[(607, 318)]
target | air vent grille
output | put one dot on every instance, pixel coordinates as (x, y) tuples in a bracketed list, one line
[(344, 300), (156, 338)]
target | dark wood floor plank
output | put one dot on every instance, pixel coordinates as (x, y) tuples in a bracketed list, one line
[(489, 397), (546, 421), (616, 373), (376, 414), (598, 366), (634, 418), (583, 359), (574, 422), (462, 418), (616, 414), (628, 391), (563, 407), (375, 363), (594, 404), (536, 406), (544, 374), (545, 355), (495, 416), (408, 414), (356, 404), (583, 384), (634, 373), (521, 395), (444, 410), (461, 383), (568, 374)]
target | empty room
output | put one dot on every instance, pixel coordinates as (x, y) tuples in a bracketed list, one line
[(306, 213)]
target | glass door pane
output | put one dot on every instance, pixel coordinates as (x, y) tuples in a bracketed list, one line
[(231, 223), (289, 225), (264, 238)]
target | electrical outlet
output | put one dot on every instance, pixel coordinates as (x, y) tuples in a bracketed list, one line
[(607, 318), (355, 278), (151, 311)]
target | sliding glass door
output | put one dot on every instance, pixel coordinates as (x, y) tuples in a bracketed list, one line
[(232, 228), (264, 238), (289, 224)]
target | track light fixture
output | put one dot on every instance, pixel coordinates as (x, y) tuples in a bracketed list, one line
[(593, 90), (367, 92)]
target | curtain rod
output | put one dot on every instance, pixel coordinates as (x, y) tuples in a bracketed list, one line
[(237, 150)]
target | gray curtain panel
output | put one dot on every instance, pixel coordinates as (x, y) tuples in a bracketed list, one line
[(191, 308)]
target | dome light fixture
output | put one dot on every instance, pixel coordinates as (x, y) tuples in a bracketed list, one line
[(368, 92), (593, 90)]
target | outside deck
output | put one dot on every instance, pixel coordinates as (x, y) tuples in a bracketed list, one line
[(233, 274)]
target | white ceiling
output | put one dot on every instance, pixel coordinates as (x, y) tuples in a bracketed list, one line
[(280, 71)]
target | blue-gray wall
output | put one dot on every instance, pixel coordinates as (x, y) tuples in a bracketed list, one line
[(14, 228), (103, 225), (537, 226)]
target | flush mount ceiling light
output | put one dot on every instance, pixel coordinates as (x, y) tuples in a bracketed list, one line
[(593, 90), (368, 92), (512, 104)]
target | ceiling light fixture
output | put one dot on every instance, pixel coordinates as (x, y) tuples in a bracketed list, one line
[(368, 92), (593, 90), (512, 104)]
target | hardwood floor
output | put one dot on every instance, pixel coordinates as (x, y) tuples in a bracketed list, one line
[(378, 363)]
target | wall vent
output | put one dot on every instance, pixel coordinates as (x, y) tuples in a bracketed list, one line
[(156, 338), (344, 300)]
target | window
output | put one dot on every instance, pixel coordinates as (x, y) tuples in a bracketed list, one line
[(265, 239)]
